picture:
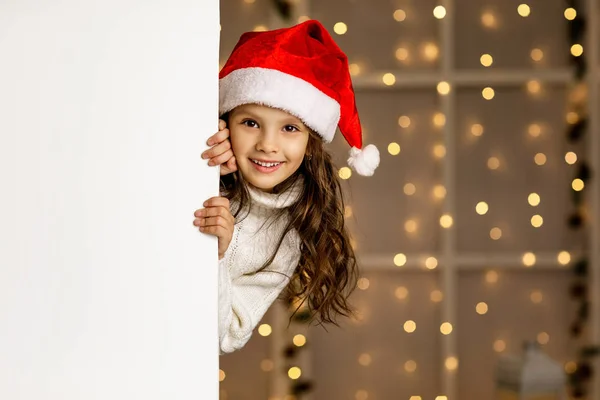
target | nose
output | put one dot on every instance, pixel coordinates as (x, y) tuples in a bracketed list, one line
[(267, 141)]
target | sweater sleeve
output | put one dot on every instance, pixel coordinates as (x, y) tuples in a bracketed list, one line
[(244, 300)]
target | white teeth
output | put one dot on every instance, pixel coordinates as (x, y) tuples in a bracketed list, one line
[(265, 164)]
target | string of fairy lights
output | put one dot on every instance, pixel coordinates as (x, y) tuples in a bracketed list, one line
[(430, 51)]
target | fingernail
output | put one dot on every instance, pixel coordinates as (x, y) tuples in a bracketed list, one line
[(209, 142)]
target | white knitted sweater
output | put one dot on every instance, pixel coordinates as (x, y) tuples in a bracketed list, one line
[(244, 298)]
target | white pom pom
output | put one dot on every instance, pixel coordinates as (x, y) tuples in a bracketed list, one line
[(364, 161)]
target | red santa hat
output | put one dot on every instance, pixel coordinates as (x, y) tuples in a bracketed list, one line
[(302, 71)]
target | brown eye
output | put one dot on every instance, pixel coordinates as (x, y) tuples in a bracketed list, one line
[(249, 121), (293, 128)]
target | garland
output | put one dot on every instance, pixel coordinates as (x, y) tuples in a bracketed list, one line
[(580, 376)]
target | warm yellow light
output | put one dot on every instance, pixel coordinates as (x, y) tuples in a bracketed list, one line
[(537, 54), (410, 226), (543, 338), (481, 308), (536, 297), (348, 211), (533, 199), (439, 12), (394, 148), (488, 93), (443, 88), (477, 129), (401, 293), (439, 151), (399, 260), (267, 365), (260, 28), (534, 130), (265, 330), (345, 173), (360, 395), (577, 185), (572, 117), (221, 375), (446, 328), (537, 221), (402, 54), (399, 15), (354, 69), (299, 340), (577, 50), (436, 296), (439, 191), (534, 87), (404, 121), (528, 259), (410, 326), (570, 13), (439, 119), (499, 346), (571, 158), (389, 79), (524, 10), (410, 366), (481, 208), (451, 363), (495, 233), (540, 159), (564, 258), (363, 283), (294, 372), (488, 20), (441, 397), (364, 359), (493, 163), (446, 221), (415, 398), (486, 60), (409, 189), (570, 367), (340, 28), (431, 263), (430, 51), (491, 277)]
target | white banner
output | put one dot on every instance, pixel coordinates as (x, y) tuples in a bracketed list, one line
[(107, 290)]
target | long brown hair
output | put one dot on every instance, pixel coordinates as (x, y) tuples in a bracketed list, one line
[(327, 272)]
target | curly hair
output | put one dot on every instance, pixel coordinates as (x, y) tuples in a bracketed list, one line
[(327, 272)]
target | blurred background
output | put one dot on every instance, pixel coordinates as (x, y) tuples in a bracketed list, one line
[(477, 237)]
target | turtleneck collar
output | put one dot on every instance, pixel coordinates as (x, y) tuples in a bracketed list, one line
[(281, 200)]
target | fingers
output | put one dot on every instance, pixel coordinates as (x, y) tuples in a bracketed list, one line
[(212, 223), (222, 158), (217, 150), (222, 124), (217, 201), (216, 207), (218, 137)]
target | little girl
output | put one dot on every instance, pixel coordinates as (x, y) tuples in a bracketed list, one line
[(280, 217)]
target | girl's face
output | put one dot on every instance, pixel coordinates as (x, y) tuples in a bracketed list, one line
[(269, 135)]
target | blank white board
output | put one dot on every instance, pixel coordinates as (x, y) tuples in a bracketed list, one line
[(107, 290)]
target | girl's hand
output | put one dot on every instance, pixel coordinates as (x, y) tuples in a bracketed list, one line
[(216, 220), (221, 152)]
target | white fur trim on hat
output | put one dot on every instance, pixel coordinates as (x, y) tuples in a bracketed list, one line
[(364, 161), (276, 89)]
